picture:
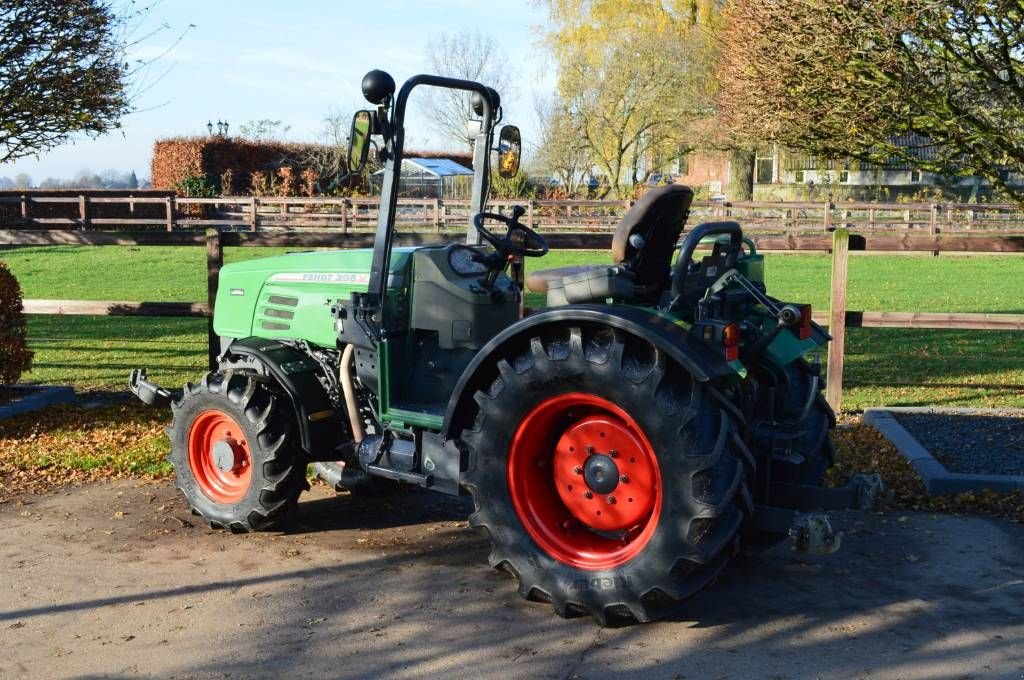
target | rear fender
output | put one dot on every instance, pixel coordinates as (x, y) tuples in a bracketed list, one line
[(296, 373), (670, 338)]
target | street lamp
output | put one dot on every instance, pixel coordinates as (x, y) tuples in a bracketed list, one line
[(209, 127)]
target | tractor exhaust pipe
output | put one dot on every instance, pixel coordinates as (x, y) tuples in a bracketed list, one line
[(345, 376)]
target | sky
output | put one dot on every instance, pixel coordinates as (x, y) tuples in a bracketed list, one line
[(293, 61)]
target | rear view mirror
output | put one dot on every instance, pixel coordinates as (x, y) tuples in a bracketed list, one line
[(359, 141), (510, 148)]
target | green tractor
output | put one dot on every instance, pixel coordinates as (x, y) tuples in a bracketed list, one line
[(620, 445)]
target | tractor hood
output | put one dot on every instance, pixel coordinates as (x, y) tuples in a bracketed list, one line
[(290, 296)]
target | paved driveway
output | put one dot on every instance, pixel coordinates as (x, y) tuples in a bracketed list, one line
[(115, 580)]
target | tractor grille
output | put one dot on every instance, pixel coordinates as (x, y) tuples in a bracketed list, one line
[(274, 312)]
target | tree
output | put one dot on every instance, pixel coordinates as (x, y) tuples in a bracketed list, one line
[(62, 65), (133, 181), (469, 56), (559, 150), (23, 181), (328, 158), (635, 76), (263, 130), (15, 356), (936, 85)]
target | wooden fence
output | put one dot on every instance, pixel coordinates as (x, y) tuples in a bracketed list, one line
[(840, 242), (255, 214)]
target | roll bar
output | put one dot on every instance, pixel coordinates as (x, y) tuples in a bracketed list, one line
[(394, 152)]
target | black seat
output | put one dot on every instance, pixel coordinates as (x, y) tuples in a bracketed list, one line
[(642, 250)]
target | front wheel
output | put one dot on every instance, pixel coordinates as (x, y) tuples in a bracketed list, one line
[(604, 475), (234, 453)]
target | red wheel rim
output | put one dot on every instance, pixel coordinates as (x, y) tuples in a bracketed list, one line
[(584, 481), (219, 457)]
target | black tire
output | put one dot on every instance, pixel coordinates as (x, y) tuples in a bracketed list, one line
[(804, 420), (703, 496), (268, 473), (795, 434)]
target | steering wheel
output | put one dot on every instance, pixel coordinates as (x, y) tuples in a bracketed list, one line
[(531, 245)]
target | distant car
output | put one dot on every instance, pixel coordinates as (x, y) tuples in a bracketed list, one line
[(659, 178)]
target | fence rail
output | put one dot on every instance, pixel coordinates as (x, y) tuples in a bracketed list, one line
[(958, 243), (254, 214), (840, 243)]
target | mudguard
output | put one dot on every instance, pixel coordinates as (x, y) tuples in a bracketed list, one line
[(317, 421), (669, 337)]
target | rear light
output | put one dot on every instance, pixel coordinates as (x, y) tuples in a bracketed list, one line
[(804, 330), (731, 341)]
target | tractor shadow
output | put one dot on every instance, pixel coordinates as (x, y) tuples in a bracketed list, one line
[(895, 601), (398, 586), (401, 508)]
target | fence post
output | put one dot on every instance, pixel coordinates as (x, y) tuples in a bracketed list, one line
[(254, 216), (837, 319), (24, 210), (437, 214), (828, 216), (345, 205), (83, 211), (169, 201), (529, 214), (214, 261)]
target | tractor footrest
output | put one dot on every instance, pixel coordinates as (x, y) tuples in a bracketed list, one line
[(410, 477)]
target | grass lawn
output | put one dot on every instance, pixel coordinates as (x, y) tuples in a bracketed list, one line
[(884, 366)]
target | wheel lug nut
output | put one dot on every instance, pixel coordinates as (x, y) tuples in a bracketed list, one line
[(578, 469), (588, 494), (613, 453), (624, 479), (611, 500)]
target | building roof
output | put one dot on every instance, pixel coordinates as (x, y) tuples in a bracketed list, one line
[(916, 146), (440, 167)]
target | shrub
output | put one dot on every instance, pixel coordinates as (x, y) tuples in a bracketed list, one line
[(227, 183), (260, 184), (309, 181), (15, 356), (286, 181), (198, 186), (517, 186)]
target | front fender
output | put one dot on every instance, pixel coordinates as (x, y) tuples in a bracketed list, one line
[(296, 373), (669, 337)]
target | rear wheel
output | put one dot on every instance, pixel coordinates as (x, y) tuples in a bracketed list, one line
[(233, 452), (793, 434), (800, 421), (604, 475)]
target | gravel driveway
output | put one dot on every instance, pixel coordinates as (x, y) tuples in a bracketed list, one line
[(990, 443), (115, 580)]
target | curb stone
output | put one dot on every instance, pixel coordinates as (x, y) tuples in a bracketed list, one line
[(937, 479)]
